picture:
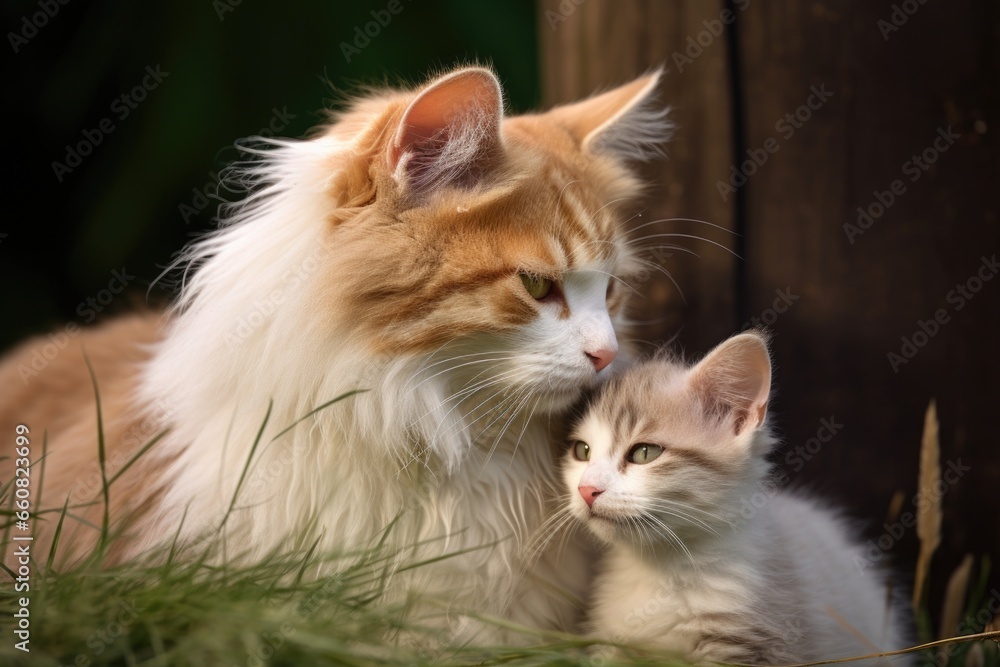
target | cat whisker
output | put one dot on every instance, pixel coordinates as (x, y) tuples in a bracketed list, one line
[(462, 394), (463, 423), (672, 537), (686, 236), (701, 222), (428, 366), (500, 409), (669, 246), (523, 397), (462, 365), (681, 511), (686, 517), (524, 427), (661, 269), (546, 532)]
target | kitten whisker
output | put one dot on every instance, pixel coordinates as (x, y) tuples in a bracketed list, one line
[(672, 537), (680, 510)]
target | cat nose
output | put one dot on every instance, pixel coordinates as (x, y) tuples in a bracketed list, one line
[(601, 358), (590, 494)]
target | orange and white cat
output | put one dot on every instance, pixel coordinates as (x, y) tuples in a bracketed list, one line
[(464, 269)]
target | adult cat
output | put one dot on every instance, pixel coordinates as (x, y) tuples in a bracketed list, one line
[(464, 269)]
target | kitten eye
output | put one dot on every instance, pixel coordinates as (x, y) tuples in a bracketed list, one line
[(538, 288), (643, 454), (581, 451)]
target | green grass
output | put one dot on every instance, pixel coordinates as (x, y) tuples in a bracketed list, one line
[(188, 612), (164, 611)]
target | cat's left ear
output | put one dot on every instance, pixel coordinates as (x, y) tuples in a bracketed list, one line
[(626, 122), (449, 132), (734, 381)]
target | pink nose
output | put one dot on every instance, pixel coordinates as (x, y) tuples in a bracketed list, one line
[(590, 494), (601, 358)]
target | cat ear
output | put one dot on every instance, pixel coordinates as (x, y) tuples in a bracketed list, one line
[(734, 381), (626, 122), (448, 132)]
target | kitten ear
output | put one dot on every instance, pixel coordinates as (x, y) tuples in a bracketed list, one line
[(448, 131), (626, 122), (734, 381)]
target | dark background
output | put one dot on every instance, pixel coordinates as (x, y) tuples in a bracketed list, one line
[(232, 67)]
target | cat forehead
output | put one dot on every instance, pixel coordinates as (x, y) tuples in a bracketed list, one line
[(548, 218), (648, 402)]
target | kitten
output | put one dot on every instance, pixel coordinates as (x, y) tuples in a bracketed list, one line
[(656, 469), (462, 268)]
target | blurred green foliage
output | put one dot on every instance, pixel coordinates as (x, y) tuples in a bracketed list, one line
[(229, 69)]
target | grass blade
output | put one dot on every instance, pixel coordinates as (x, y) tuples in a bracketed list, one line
[(315, 410), (101, 458)]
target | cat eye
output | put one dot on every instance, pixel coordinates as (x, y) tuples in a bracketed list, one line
[(643, 453), (581, 451), (536, 286)]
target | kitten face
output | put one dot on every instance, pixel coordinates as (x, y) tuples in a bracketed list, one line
[(492, 247), (664, 452)]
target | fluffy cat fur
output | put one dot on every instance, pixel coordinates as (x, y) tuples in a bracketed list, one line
[(387, 254), (684, 570)]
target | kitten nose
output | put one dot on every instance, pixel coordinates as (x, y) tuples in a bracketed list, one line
[(590, 494), (601, 358)]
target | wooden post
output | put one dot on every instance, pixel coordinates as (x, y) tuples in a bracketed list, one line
[(855, 145), (598, 44)]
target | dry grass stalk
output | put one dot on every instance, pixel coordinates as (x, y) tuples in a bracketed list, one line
[(975, 657), (895, 506), (954, 598), (929, 509)]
